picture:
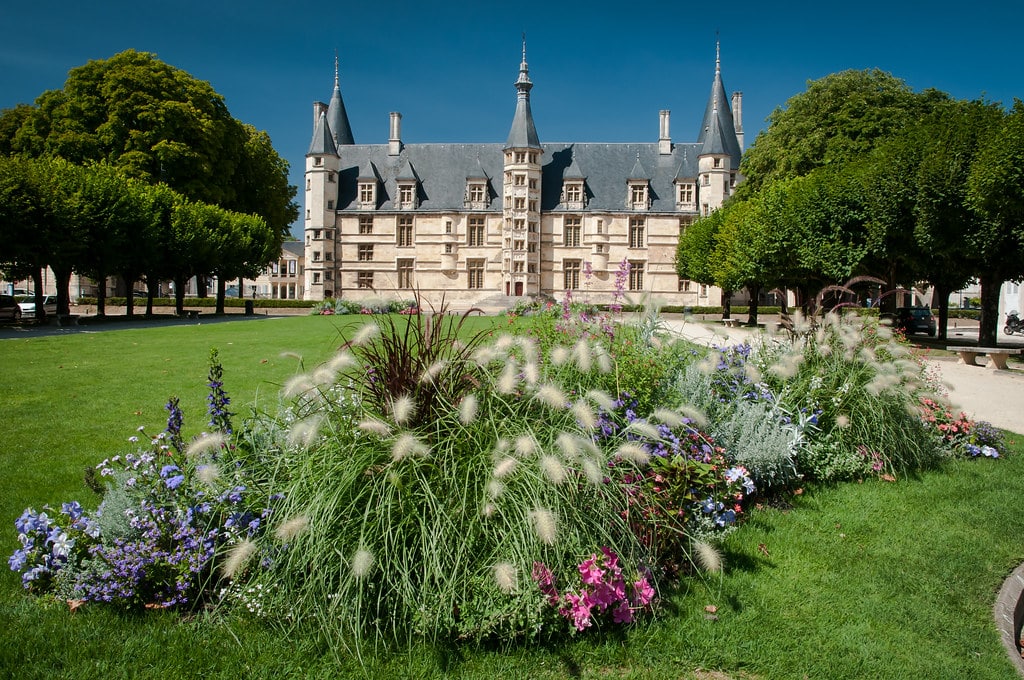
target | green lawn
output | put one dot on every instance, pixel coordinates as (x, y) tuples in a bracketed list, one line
[(873, 580)]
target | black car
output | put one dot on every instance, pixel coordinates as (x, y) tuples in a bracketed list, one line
[(9, 308), (914, 320)]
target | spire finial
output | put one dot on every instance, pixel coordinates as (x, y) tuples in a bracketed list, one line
[(336, 68), (524, 47), (718, 54)]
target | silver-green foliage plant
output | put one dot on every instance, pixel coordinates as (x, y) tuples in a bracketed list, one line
[(417, 500), (757, 437)]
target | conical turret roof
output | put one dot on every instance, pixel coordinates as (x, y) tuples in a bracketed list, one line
[(523, 133), (717, 131), (323, 141), (337, 118)]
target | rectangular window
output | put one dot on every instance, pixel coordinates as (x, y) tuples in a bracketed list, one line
[(572, 227), (291, 267), (517, 267), (448, 249), (519, 179), (573, 193), (330, 177), (636, 232), (638, 195), (571, 270), (475, 273), (405, 195), (366, 225), (366, 193), (316, 256), (365, 251), (519, 204), (718, 162), (636, 275), (476, 231), (330, 205), (705, 180), (405, 268), (364, 280), (520, 157), (533, 206), (684, 285), (316, 277), (477, 193), (686, 194), (533, 183), (404, 238)]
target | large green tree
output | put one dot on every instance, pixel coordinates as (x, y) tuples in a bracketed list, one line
[(837, 119), (996, 193), (157, 123)]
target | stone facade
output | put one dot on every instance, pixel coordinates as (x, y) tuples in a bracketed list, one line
[(476, 222)]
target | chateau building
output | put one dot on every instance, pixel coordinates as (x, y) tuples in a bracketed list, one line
[(474, 222)]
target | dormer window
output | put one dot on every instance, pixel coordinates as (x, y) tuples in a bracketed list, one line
[(572, 195), (718, 162), (406, 195), (685, 196), (476, 195), (367, 194), (639, 195)]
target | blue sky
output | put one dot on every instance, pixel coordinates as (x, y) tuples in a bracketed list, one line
[(601, 70)]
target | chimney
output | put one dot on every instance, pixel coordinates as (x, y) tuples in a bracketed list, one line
[(318, 108), (737, 116), (395, 138), (664, 140)]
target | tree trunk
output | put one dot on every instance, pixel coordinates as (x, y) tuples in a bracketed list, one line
[(990, 286), (129, 300), (726, 304), (941, 290), (179, 294), (752, 310), (62, 277), (221, 286), (101, 296)]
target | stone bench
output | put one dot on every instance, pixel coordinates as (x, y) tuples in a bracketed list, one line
[(730, 323), (997, 356), (190, 313)]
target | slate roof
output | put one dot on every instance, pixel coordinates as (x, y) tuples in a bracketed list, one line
[(718, 131), (443, 169), (323, 142), (337, 118)]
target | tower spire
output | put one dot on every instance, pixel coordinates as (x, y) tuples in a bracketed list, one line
[(717, 131), (337, 118), (523, 133)]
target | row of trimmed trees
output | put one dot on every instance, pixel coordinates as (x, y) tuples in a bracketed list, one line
[(136, 168), (95, 221), (861, 177)]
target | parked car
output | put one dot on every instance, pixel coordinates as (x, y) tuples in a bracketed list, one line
[(27, 304), (9, 308), (915, 320)]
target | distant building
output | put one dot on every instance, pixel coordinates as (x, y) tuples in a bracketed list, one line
[(521, 219)]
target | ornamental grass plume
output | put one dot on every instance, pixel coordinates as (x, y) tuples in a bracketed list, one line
[(289, 529), (593, 471), (669, 417), (602, 399), (366, 333), (403, 409), (645, 429), (708, 557), (505, 467), (432, 371), (560, 355), (505, 577), (551, 396), (509, 379), (584, 357), (584, 415), (304, 432), (553, 469), (603, 358), (408, 445), (468, 409), (238, 557), (531, 372), (206, 442), (569, 444), (297, 385), (544, 525), (633, 453), (362, 563), (374, 426), (208, 473), (526, 445)]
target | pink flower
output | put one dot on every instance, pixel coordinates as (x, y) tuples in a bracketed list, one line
[(580, 610), (590, 572), (642, 591), (622, 614)]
